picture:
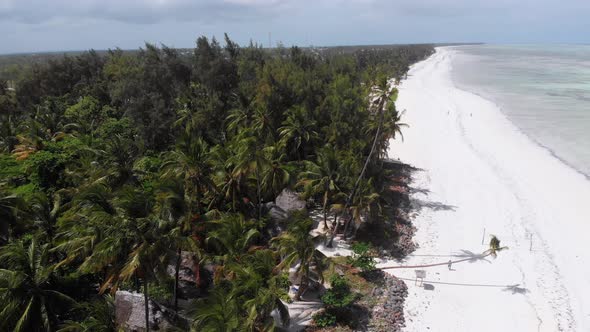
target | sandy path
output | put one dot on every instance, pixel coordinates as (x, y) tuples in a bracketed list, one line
[(478, 171)]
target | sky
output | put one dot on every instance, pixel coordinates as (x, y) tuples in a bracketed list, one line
[(62, 25)]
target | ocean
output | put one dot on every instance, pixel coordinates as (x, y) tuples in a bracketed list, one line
[(543, 89)]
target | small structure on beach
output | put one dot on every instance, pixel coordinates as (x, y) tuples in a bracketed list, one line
[(420, 275)]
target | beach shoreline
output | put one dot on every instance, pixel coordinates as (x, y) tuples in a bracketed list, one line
[(480, 175)]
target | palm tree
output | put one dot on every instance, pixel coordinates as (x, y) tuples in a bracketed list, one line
[(11, 207), (241, 116), (278, 173), (217, 312), (296, 246), (173, 209), (385, 95), (8, 134), (28, 288), (231, 235), (191, 163), (362, 202), (130, 242), (45, 211), (298, 130), (250, 160), (99, 317), (321, 178), (262, 288), (494, 247)]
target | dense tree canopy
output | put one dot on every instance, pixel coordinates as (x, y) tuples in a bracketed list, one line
[(112, 165)]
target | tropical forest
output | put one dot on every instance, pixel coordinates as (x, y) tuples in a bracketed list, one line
[(205, 189)]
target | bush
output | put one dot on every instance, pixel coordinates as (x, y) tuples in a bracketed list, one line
[(339, 296), (324, 319), (362, 257)]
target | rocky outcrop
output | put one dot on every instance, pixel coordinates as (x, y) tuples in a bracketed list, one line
[(130, 313), (286, 203)]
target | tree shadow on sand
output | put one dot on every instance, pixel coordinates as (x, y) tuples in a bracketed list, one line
[(514, 289), (423, 191), (473, 257), (435, 206)]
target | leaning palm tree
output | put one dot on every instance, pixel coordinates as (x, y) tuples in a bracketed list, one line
[(386, 94), (297, 248), (28, 288)]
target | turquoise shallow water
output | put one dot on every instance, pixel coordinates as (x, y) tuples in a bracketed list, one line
[(543, 89)]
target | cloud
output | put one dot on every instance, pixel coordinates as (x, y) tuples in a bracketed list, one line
[(136, 11)]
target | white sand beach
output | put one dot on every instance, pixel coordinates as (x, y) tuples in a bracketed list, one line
[(478, 171)]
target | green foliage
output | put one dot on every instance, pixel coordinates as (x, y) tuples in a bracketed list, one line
[(116, 165), (339, 294), (324, 319), (10, 169), (362, 257)]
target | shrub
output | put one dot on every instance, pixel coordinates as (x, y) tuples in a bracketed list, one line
[(362, 257), (324, 319), (339, 296)]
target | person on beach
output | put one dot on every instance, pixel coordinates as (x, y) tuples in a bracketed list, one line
[(450, 264)]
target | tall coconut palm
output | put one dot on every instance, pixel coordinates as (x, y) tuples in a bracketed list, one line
[(250, 160), (28, 288), (385, 95), (363, 201), (297, 131), (277, 175), (297, 248), (173, 209), (321, 178), (190, 161)]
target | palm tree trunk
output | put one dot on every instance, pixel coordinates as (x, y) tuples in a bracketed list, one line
[(176, 273), (329, 243), (146, 303), (258, 193), (347, 224), (358, 180), (325, 214)]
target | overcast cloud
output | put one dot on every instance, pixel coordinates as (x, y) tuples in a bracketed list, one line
[(52, 25)]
